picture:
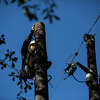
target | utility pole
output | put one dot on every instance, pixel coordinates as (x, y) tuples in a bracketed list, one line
[(94, 92), (91, 72), (41, 65)]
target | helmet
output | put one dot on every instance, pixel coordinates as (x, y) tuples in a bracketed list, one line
[(32, 42)]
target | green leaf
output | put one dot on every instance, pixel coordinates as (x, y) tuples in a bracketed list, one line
[(13, 65), (24, 98), (19, 83), (2, 41), (13, 52), (18, 94), (13, 1), (51, 10), (6, 55), (14, 59), (6, 2), (7, 50), (25, 89), (46, 17), (4, 65), (29, 87), (2, 68), (21, 2), (12, 73), (50, 18), (35, 6), (32, 16), (1, 62), (53, 5), (31, 83), (2, 36), (21, 87), (13, 79), (56, 17), (45, 11)]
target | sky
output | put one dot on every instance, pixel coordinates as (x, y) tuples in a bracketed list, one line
[(63, 39)]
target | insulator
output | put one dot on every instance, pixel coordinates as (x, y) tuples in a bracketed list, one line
[(89, 77), (67, 68), (73, 65)]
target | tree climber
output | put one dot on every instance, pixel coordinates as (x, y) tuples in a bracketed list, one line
[(28, 53), (32, 54)]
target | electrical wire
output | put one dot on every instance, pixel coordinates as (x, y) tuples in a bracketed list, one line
[(91, 28), (56, 86), (66, 76), (76, 53), (80, 81), (74, 56)]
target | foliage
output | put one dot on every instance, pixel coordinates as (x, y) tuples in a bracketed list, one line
[(8, 56), (10, 60), (33, 10), (2, 39)]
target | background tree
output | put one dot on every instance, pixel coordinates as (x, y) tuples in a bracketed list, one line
[(31, 8)]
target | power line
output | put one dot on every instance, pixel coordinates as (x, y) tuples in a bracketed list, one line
[(80, 81), (76, 53), (93, 25)]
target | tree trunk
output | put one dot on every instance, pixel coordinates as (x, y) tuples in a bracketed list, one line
[(40, 79)]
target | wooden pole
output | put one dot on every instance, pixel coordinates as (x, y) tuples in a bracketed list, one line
[(91, 58)]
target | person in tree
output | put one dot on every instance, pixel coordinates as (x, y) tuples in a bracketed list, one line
[(28, 53), (33, 53)]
